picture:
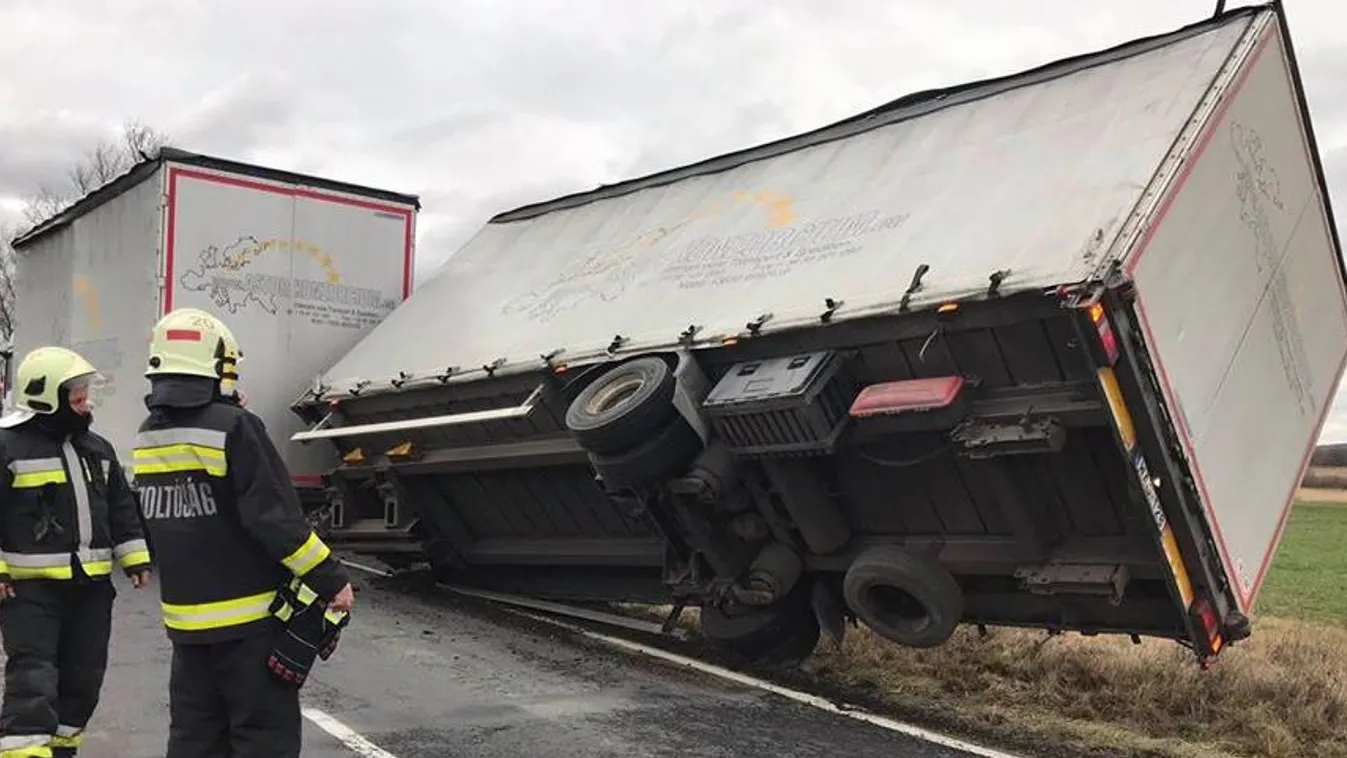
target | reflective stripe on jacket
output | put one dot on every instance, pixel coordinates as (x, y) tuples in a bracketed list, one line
[(224, 520), (67, 504)]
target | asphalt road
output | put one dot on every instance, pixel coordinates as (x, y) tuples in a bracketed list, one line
[(422, 680)]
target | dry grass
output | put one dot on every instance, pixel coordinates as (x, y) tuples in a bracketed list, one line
[(1321, 495), (1282, 693), (1328, 477)]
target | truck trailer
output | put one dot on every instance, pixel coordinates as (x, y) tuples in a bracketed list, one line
[(299, 267), (1050, 350)]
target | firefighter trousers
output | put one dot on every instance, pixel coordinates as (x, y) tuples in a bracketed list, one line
[(225, 703), (55, 635)]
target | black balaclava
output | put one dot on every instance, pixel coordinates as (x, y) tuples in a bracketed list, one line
[(65, 421), (177, 391)]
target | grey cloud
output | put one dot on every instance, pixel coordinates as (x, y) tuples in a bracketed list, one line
[(480, 107), (39, 150), (255, 109)]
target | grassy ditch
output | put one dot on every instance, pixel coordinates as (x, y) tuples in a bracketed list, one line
[(1281, 693)]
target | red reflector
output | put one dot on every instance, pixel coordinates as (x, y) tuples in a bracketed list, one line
[(1207, 615), (182, 335), (907, 395), (1109, 340)]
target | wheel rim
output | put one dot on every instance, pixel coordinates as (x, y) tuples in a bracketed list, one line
[(614, 395), (898, 608)]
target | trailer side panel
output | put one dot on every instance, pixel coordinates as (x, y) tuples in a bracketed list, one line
[(92, 286), (1242, 301)]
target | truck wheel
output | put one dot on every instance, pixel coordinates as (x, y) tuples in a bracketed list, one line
[(624, 406), (784, 632), (903, 597), (670, 451)]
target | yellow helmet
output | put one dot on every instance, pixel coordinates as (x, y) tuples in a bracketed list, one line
[(38, 380), (193, 342)]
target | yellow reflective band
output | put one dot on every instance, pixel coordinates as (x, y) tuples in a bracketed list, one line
[(218, 615), (25, 746), (49, 572), (39, 479), (97, 562), (4, 567), (39, 566), (67, 740), (97, 568), (131, 553), (309, 555), (1122, 418), (1170, 543), (183, 456), (135, 559), (37, 472)]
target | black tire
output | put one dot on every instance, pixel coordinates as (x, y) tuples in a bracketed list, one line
[(785, 632), (624, 406), (903, 597), (670, 451)]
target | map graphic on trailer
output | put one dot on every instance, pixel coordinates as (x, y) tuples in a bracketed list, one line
[(224, 274)]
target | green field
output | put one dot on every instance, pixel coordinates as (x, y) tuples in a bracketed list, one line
[(1308, 579)]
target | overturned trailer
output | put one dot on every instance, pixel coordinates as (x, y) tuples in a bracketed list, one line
[(1050, 350)]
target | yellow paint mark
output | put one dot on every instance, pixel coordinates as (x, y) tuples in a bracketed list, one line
[(1171, 547), (780, 208), (88, 295), (237, 259)]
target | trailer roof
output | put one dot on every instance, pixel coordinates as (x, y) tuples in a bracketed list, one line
[(147, 168), (1035, 173)]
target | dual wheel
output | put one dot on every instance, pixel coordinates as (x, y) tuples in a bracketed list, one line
[(627, 422)]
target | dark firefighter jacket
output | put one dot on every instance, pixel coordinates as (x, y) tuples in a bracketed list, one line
[(66, 508), (225, 523)]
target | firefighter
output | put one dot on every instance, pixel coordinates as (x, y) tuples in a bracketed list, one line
[(66, 514), (228, 534)]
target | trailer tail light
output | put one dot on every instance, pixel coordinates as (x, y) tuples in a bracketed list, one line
[(1209, 625), (1108, 339), (907, 396)]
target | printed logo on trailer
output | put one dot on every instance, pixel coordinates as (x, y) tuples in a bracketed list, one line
[(228, 276)]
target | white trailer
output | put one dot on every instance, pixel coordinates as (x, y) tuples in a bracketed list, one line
[(1117, 276), (299, 267)]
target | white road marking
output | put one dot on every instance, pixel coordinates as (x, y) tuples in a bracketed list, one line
[(346, 735), (882, 722)]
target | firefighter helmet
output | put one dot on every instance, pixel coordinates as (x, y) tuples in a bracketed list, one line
[(42, 373), (193, 342)]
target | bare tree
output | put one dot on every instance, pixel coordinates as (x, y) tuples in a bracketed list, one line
[(104, 162), (7, 300), (101, 164)]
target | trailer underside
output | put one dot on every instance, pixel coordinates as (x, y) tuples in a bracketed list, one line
[(1017, 486)]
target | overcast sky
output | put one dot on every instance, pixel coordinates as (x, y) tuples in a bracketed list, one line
[(479, 106)]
